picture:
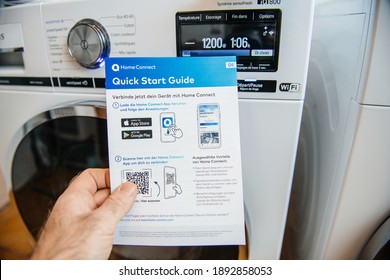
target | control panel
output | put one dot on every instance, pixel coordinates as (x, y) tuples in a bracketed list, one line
[(270, 41)]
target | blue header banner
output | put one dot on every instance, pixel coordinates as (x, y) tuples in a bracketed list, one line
[(170, 72)]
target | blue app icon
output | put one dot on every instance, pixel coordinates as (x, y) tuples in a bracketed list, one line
[(167, 122)]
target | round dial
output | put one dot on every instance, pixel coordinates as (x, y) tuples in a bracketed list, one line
[(88, 43)]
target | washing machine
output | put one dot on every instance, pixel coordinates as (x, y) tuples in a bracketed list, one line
[(341, 189), (52, 92)]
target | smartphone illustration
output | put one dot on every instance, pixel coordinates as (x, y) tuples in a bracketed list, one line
[(167, 121), (209, 126), (169, 182)]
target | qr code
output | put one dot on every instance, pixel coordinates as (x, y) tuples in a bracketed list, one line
[(170, 178), (209, 138), (141, 179)]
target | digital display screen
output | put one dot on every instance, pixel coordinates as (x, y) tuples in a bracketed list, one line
[(250, 35)]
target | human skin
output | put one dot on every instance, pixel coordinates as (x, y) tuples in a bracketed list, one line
[(83, 220)]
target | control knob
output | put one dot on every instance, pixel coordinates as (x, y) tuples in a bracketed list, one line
[(88, 43)]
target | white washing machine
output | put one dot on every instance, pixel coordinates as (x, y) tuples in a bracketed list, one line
[(52, 95), (341, 189)]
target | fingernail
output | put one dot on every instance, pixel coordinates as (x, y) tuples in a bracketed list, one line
[(129, 188)]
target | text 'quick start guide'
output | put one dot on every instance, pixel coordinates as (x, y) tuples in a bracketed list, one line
[(173, 130)]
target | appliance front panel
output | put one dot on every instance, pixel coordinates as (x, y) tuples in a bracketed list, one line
[(271, 42)]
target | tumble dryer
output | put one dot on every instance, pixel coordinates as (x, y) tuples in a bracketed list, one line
[(52, 110), (341, 188)]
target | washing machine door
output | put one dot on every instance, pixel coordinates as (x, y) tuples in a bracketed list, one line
[(55, 147), (378, 247)]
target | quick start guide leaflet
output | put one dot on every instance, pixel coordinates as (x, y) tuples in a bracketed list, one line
[(173, 130)]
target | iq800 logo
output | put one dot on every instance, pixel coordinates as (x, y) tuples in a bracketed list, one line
[(269, 2)]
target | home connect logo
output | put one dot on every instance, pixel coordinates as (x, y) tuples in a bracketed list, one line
[(115, 67), (167, 122)]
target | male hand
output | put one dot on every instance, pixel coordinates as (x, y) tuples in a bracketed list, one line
[(83, 220)]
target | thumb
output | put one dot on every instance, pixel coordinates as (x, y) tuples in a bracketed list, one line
[(118, 203)]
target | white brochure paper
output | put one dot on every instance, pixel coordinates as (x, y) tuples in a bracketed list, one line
[(173, 130)]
